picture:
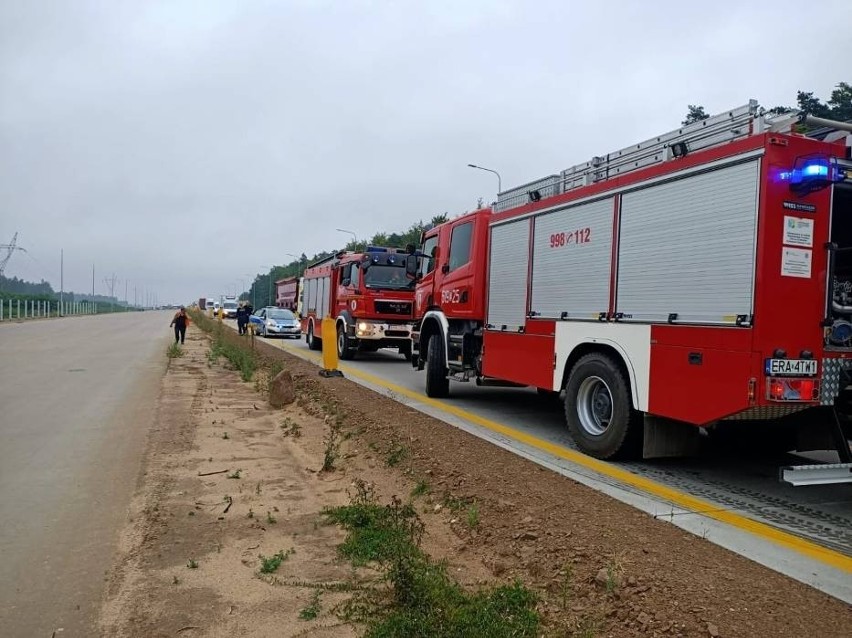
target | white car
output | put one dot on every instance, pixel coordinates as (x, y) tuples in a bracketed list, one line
[(272, 321)]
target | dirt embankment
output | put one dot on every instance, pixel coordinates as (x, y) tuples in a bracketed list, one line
[(230, 483)]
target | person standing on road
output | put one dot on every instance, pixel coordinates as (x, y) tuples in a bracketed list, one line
[(180, 321)]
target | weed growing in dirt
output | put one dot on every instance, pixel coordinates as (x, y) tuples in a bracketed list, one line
[(272, 563), (192, 563), (175, 580), (566, 586), (396, 455), (332, 450), (225, 436), (420, 489), (291, 428), (425, 601), (614, 571), (270, 518), (235, 474), (456, 504), (257, 489), (473, 515), (251, 513), (312, 611), (174, 351)]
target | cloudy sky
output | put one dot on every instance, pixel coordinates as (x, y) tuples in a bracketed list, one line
[(185, 146)]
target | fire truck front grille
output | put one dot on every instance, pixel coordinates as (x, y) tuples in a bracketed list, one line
[(402, 308), (396, 333)]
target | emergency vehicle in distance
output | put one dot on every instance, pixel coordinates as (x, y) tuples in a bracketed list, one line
[(369, 296), (702, 276)]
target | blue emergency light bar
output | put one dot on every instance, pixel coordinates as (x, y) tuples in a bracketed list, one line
[(812, 173)]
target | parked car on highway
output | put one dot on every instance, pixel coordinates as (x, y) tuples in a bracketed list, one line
[(272, 321)]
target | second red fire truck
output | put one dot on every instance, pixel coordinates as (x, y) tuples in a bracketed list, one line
[(368, 294), (700, 277)]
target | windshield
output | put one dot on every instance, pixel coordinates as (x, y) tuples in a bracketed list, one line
[(229, 305), (388, 277), (280, 314)]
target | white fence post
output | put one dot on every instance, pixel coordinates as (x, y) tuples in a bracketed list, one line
[(19, 308)]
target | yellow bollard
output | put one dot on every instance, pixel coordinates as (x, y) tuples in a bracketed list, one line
[(329, 349)]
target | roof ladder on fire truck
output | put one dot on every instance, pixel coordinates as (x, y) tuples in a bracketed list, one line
[(713, 131), (716, 130)]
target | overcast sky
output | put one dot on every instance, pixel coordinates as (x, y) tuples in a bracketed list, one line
[(184, 146)]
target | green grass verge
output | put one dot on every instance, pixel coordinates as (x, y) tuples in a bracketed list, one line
[(424, 600)]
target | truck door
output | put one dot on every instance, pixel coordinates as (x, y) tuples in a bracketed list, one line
[(456, 270), (425, 297)]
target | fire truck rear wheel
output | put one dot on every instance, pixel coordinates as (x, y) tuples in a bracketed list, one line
[(599, 411), (313, 342), (345, 350), (437, 383)]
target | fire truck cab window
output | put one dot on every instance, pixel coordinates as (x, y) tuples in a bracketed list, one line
[(429, 248), (460, 245), (346, 275)]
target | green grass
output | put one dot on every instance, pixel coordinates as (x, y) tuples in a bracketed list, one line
[(242, 358), (456, 504), (313, 609), (291, 428), (424, 600), (174, 351), (192, 563), (396, 455), (332, 450), (473, 515), (235, 474), (421, 489), (269, 565)]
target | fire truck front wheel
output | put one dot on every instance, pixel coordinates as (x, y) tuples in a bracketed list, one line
[(598, 409), (437, 383), (345, 348)]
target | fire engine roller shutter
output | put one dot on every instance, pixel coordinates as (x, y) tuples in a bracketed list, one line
[(572, 261), (311, 294), (687, 248), (507, 288), (322, 297)]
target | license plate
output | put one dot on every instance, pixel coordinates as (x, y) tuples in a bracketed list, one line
[(793, 367)]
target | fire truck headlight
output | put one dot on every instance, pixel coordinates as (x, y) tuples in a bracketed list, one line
[(363, 326)]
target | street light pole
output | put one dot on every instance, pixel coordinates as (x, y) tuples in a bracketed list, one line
[(491, 170), (354, 236)]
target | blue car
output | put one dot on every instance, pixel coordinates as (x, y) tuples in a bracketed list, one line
[(276, 322)]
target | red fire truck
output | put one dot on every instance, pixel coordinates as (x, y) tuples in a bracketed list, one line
[(702, 276), (368, 294)]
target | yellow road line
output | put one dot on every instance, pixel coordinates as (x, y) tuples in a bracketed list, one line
[(676, 497)]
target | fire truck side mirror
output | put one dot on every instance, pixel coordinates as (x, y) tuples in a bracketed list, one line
[(411, 265)]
